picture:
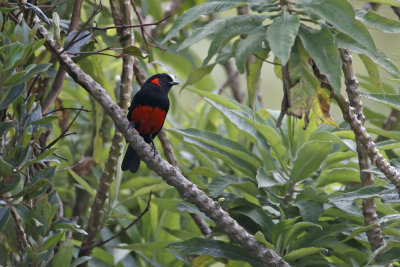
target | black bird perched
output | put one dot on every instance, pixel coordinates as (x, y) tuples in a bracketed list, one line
[(147, 114)]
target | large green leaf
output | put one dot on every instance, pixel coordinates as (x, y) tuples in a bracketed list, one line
[(13, 93), (235, 161), (4, 215), (197, 11), (374, 20), (218, 184), (392, 101), (235, 24), (215, 248), (339, 175), (340, 14), (373, 71), (64, 255), (302, 94), (198, 74), (233, 28), (354, 45), (82, 182), (322, 49), (251, 44), (309, 159), (345, 201), (225, 144), (300, 253), (253, 75), (395, 135), (281, 35)]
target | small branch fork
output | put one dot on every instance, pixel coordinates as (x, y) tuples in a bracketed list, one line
[(123, 230)]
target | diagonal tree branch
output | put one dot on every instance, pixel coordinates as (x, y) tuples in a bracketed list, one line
[(170, 174)]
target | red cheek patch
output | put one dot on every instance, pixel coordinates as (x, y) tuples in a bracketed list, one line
[(155, 81)]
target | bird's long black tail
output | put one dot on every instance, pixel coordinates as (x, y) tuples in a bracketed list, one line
[(131, 160)]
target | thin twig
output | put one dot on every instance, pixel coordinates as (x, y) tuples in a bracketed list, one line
[(65, 131), (130, 26), (141, 22), (123, 230), (62, 109)]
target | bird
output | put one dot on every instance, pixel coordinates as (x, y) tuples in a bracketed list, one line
[(147, 113)]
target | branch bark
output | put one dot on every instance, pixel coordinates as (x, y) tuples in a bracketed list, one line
[(170, 174), (350, 115), (374, 234)]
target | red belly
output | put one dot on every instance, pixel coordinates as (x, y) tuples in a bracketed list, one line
[(149, 120)]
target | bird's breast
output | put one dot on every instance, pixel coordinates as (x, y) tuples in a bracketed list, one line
[(148, 120)]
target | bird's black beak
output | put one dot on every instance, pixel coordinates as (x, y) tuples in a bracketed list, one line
[(173, 83)]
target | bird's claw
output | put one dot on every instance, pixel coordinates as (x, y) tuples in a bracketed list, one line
[(154, 148)]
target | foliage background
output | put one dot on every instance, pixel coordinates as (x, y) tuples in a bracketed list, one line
[(308, 211)]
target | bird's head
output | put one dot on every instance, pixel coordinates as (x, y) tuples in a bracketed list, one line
[(162, 80)]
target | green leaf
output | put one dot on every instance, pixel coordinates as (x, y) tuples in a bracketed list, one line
[(309, 210), (5, 126), (300, 253), (305, 83), (253, 75), (217, 27), (184, 206), (345, 201), (4, 215), (8, 9), (322, 49), (374, 20), (354, 45), (135, 51), (82, 182), (392, 101), (385, 2), (32, 189), (234, 27), (198, 74), (218, 184), (261, 238), (340, 14), (267, 178), (67, 225), (157, 246), (52, 241), (296, 230), (197, 11), (64, 255), (373, 71), (39, 68), (80, 260), (251, 44), (235, 161), (46, 120), (395, 135), (200, 246), (309, 159), (13, 93), (357, 232), (281, 35), (339, 175), (15, 78)]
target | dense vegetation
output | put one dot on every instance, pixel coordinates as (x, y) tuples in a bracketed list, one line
[(312, 189)]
